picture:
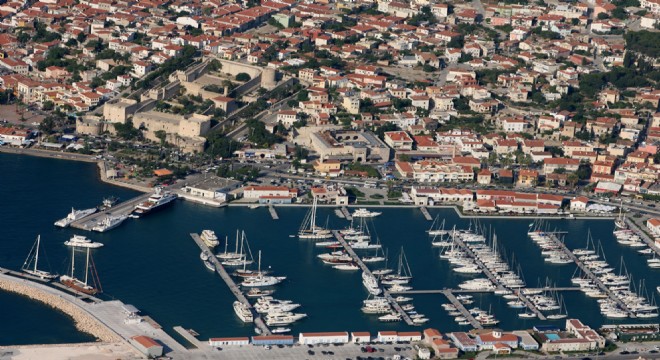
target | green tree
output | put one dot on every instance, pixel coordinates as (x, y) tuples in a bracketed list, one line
[(572, 179), (243, 77), (161, 135)]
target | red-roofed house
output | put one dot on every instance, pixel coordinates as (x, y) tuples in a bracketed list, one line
[(147, 346), (654, 226), (398, 140)]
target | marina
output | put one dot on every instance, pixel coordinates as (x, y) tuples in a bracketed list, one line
[(233, 287), (461, 308), (647, 239)]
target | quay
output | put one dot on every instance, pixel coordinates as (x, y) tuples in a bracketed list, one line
[(494, 280), (466, 291), (639, 232), (124, 208), (347, 214), (258, 321), (273, 213), (461, 308), (365, 269), (426, 214), (339, 214), (189, 337), (590, 274)]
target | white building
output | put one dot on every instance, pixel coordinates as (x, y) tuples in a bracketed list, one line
[(216, 342), (256, 192), (387, 336), (579, 204), (654, 226), (360, 337), (323, 338)]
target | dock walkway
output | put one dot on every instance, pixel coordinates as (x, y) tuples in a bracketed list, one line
[(189, 337), (647, 239), (591, 275), (273, 213), (124, 208), (494, 280), (426, 214), (365, 269), (347, 214), (461, 308), (340, 214), (466, 291), (233, 287)]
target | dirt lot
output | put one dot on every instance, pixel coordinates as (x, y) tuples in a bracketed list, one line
[(8, 113)]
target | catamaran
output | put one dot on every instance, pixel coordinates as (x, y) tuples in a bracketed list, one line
[(82, 285), (31, 264), (309, 230)]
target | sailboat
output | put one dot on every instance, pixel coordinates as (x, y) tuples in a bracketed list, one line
[(308, 228), (620, 222), (30, 265), (562, 311), (403, 274), (440, 230), (82, 286), (261, 279), (242, 258), (230, 255)]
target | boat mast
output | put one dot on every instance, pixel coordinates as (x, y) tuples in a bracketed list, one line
[(313, 216), (87, 267), (73, 260), (36, 257)]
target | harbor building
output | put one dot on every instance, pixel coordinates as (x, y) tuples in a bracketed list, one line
[(272, 340), (464, 342), (581, 331), (270, 194), (424, 353), (340, 337), (147, 346), (216, 342), (387, 336), (526, 341), (360, 337), (409, 336), (489, 340), (212, 191), (352, 146)]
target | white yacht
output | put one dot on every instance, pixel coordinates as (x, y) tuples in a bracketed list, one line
[(390, 318), (346, 267), (81, 241), (364, 213), (243, 312), (371, 284), (156, 201), (209, 238), (110, 222), (73, 216), (284, 318)]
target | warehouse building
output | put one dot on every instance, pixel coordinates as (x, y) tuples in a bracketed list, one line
[(215, 342), (147, 346)]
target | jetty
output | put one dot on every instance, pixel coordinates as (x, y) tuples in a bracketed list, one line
[(461, 308), (642, 235), (494, 279), (339, 214), (233, 287), (366, 270), (610, 294), (467, 291), (189, 337), (272, 212), (426, 214), (124, 208), (347, 214)]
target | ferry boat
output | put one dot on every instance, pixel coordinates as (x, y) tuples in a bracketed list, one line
[(81, 241), (364, 213), (243, 312), (309, 230), (109, 223), (30, 266), (74, 215), (83, 286), (157, 200), (209, 238)]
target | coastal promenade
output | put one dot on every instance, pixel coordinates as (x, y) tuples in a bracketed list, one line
[(367, 271), (258, 321)]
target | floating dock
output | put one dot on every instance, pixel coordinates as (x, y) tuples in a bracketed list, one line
[(591, 275), (365, 269), (189, 337), (273, 213), (124, 208), (461, 308), (347, 214), (426, 214), (494, 280), (233, 287)]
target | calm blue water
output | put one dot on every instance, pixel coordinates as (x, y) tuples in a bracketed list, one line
[(153, 263)]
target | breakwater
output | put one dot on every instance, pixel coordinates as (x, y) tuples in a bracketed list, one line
[(83, 321)]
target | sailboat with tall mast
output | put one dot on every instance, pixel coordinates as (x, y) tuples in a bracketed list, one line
[(242, 259), (308, 228), (261, 279), (31, 264), (83, 285), (620, 221)]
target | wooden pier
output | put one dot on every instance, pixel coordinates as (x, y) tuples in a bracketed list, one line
[(366, 270), (347, 214), (273, 213), (124, 208), (189, 337), (426, 214), (233, 287), (591, 275), (496, 282), (461, 308)]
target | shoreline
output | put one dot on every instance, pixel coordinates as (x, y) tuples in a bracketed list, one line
[(83, 321)]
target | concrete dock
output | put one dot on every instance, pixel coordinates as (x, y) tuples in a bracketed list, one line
[(647, 239), (366, 270), (426, 214), (273, 213), (459, 306), (347, 214), (339, 214), (233, 287), (124, 208), (189, 337), (494, 280), (590, 274), (465, 291)]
